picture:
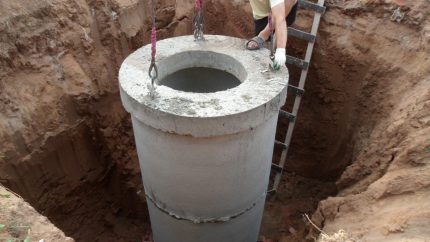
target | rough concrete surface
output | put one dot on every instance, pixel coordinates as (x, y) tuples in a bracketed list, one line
[(203, 114)]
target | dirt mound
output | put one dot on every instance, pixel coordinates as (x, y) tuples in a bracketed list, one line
[(362, 134)]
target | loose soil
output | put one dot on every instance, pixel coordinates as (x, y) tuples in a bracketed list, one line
[(18, 220), (360, 157)]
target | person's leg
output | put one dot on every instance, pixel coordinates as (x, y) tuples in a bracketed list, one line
[(291, 15), (259, 24), (262, 30)]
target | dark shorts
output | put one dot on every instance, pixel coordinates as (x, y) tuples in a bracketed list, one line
[(260, 24)]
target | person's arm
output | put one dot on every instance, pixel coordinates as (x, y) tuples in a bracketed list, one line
[(280, 24), (278, 14)]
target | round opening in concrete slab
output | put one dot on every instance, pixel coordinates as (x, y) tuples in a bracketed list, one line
[(201, 72), (259, 95), (201, 80)]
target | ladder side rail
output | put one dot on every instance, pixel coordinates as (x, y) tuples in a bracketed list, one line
[(309, 50), (297, 101)]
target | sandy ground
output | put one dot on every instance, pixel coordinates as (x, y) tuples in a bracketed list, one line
[(360, 154), (20, 221)]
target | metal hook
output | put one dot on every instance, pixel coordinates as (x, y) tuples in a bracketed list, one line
[(153, 67)]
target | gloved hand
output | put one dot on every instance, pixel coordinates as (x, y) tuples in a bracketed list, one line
[(280, 58)]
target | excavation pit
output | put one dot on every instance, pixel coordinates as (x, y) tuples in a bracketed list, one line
[(358, 112), (217, 141)]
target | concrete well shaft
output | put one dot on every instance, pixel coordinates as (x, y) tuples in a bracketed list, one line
[(205, 158)]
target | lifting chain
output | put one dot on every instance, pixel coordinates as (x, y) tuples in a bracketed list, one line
[(153, 69), (198, 21)]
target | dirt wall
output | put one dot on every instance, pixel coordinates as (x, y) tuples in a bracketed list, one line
[(386, 65), (362, 131)]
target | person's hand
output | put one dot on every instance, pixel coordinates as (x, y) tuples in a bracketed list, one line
[(280, 58)]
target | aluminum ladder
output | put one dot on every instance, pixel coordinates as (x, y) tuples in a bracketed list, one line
[(319, 10)]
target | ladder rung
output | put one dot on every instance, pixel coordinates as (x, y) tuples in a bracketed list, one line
[(271, 192), (301, 34), (296, 90), (312, 6), (290, 116), (297, 62), (277, 168), (283, 145)]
